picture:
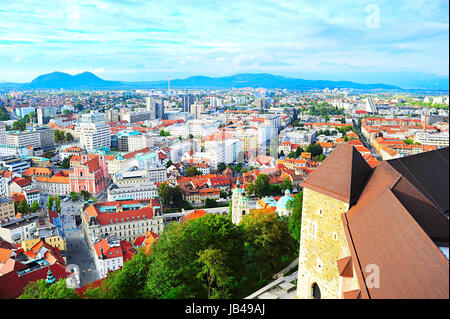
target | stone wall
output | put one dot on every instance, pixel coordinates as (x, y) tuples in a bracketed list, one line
[(322, 243)]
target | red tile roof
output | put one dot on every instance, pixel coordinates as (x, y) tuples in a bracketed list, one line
[(108, 251), (22, 182), (193, 215)]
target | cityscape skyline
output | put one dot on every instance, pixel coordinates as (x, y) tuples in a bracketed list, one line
[(140, 41)]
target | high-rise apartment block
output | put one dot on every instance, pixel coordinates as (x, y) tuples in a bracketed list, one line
[(186, 102), (93, 131), (45, 114)]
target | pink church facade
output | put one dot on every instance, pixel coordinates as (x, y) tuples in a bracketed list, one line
[(91, 176)]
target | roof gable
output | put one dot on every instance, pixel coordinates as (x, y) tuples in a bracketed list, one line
[(428, 172), (341, 176)]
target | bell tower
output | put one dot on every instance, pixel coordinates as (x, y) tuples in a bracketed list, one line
[(239, 202)]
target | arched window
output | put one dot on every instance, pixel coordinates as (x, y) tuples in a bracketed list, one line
[(315, 291), (243, 212)]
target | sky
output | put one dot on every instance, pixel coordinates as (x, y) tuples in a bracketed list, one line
[(143, 40)]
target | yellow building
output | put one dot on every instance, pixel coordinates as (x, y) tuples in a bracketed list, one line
[(54, 241), (7, 209)]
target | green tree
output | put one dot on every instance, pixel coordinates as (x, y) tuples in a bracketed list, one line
[(58, 204), (268, 242), (66, 162), (164, 193), (286, 184), (192, 171), (176, 265), (23, 207), (50, 202), (49, 154), (40, 289), (19, 125), (215, 271), (210, 203), (315, 149), (169, 163), (129, 282), (261, 186), (221, 167), (59, 136), (170, 195), (292, 155), (177, 196), (295, 220), (298, 152), (409, 141), (68, 137), (34, 207), (85, 195), (74, 196)]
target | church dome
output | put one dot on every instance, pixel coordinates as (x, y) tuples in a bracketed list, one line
[(283, 201)]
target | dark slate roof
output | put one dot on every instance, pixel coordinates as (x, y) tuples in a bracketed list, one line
[(341, 176), (428, 172)]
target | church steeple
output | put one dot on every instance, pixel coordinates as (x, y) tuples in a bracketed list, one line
[(50, 279)]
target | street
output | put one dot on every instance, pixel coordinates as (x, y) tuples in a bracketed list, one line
[(78, 253)]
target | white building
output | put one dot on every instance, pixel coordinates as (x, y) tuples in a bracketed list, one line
[(24, 138), (19, 229), (8, 150), (2, 133), (223, 151), (108, 255), (132, 191), (93, 131), (438, 139), (32, 196)]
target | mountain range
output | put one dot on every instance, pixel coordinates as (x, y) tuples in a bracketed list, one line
[(88, 80)]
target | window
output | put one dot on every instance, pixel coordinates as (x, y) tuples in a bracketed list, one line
[(320, 212), (335, 236), (311, 228)]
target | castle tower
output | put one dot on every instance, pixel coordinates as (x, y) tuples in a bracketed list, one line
[(239, 204), (327, 193)]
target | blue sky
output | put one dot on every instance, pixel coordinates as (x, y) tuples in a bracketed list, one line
[(135, 40)]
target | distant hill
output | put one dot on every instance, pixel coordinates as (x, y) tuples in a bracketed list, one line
[(60, 80), (264, 80), (88, 80)]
